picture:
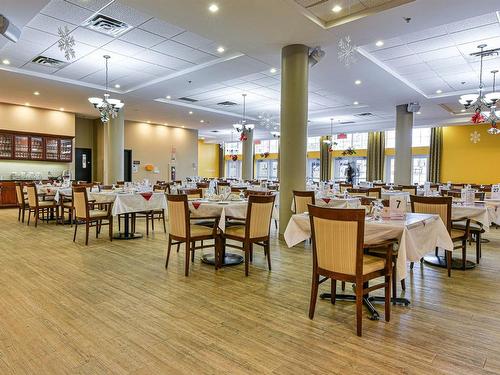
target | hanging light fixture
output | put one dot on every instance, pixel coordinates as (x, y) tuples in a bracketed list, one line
[(493, 98), (479, 102), (242, 127), (108, 108), (330, 141)]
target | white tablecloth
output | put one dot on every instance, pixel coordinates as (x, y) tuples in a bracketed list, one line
[(477, 212), (493, 210), (124, 203), (417, 235), (387, 194), (333, 202)]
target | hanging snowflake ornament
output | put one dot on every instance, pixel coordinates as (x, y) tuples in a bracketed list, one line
[(475, 137), (66, 43), (346, 51)]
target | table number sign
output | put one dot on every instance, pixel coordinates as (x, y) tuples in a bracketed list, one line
[(397, 206), (495, 191)]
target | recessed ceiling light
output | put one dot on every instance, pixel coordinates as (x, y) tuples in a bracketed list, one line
[(419, 113), (337, 8), (5, 62), (166, 124), (169, 97), (36, 93), (439, 91), (214, 8), (27, 104), (462, 110), (117, 86), (202, 138), (190, 112), (149, 122), (221, 49), (379, 43), (61, 109), (273, 70), (357, 82), (183, 127), (202, 121), (355, 103)]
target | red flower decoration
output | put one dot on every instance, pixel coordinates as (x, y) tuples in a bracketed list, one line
[(234, 157), (477, 118), (243, 137)]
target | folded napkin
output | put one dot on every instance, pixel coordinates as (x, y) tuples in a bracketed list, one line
[(196, 204), (147, 196), (326, 200)]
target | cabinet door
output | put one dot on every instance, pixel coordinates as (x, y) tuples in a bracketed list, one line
[(21, 147), (36, 148), (6, 146), (51, 149), (66, 150)]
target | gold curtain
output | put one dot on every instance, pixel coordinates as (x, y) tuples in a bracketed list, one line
[(434, 170), (325, 159), (375, 156)]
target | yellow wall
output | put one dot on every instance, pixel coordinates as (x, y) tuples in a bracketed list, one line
[(465, 162), (208, 159), (414, 151)]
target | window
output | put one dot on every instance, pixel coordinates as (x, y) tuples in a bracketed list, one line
[(271, 146), (232, 147), (313, 169), (419, 170), (355, 140), (313, 143), (390, 139), (233, 169), (361, 169), (389, 168), (340, 168), (267, 169), (421, 137), (274, 146)]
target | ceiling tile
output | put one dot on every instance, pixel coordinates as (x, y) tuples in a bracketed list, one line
[(161, 28), (192, 39), (431, 44), (392, 53), (38, 37), (64, 11), (39, 68), (471, 23), (90, 37), (426, 34), (268, 81), (403, 61), (389, 43), (142, 38), (163, 60), (125, 14), (478, 34), (414, 68), (93, 5), (448, 52), (182, 51), (124, 48), (48, 24), (80, 49)]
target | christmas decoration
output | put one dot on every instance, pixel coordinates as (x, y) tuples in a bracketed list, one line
[(346, 51), (349, 151), (66, 43), (477, 118), (475, 137)]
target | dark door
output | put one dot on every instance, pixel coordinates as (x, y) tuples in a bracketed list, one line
[(127, 162), (83, 164)]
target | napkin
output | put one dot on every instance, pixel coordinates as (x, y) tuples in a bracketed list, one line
[(326, 200), (147, 196), (196, 204)]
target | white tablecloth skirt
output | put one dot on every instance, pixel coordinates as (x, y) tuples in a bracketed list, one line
[(130, 202), (478, 213)]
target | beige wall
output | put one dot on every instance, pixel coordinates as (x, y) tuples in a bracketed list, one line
[(36, 120), (84, 133), (152, 144)]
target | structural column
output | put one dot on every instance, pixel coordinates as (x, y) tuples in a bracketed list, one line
[(114, 145), (403, 159), (293, 141), (247, 164)]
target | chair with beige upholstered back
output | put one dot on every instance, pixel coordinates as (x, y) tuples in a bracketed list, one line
[(358, 192), (22, 202), (338, 236), (256, 229), (37, 206), (412, 189), (442, 206), (302, 199), (87, 212), (343, 186), (182, 231), (375, 192), (192, 193)]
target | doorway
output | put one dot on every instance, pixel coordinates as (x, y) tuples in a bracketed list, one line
[(83, 164), (127, 163)]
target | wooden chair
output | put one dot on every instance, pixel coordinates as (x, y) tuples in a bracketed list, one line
[(395, 188), (222, 186), (337, 237), (193, 193), (238, 189), (36, 206), (302, 199), (66, 205), (361, 192), (182, 231), (442, 206), (22, 202), (375, 192), (344, 186), (256, 229), (412, 189), (85, 211), (203, 186)]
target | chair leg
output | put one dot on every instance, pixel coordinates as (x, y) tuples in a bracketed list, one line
[(246, 248), (403, 284), (168, 251), (22, 219), (29, 216), (152, 221), (111, 228), (147, 225), (163, 219), (333, 291), (314, 295), (37, 213), (87, 228), (394, 286), (359, 307), (119, 223), (76, 227), (478, 247), (193, 245), (268, 253), (19, 214), (186, 261), (448, 262), (343, 286), (412, 264), (388, 297), (250, 249), (178, 247), (464, 254)]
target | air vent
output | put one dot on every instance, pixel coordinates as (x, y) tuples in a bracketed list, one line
[(49, 62), (190, 100), (214, 131), (346, 122), (365, 114), (227, 103), (106, 25)]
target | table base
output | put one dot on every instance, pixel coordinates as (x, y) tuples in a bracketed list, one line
[(440, 261), (127, 236), (230, 259)]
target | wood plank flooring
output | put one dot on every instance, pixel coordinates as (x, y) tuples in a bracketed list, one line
[(112, 308)]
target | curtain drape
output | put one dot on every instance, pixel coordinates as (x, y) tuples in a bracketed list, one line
[(375, 156), (325, 159), (434, 169)]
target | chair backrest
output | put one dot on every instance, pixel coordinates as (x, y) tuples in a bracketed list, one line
[(202, 185), (344, 186), (105, 187), (259, 214), (457, 186), (433, 205), (479, 195), (358, 192), (193, 193), (178, 212), (454, 193), (412, 189), (32, 195), (80, 202), (19, 195), (257, 192), (397, 188), (160, 188), (337, 237), (238, 189), (120, 183), (302, 199), (375, 192)]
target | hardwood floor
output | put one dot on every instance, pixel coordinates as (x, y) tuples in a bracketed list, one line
[(112, 308)]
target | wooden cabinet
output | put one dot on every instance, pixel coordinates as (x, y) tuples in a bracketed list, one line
[(25, 146), (8, 194)]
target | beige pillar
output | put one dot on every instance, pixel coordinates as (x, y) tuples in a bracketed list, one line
[(403, 159), (114, 145), (247, 164), (294, 107)]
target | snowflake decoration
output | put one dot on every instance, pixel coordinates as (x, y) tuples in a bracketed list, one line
[(66, 43), (346, 51), (475, 137)]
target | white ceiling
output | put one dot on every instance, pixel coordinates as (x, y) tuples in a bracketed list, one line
[(174, 53)]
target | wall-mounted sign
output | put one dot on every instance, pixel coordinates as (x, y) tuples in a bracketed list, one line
[(136, 162)]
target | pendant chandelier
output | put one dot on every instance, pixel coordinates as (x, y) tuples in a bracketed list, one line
[(483, 102), (108, 108), (242, 127)]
